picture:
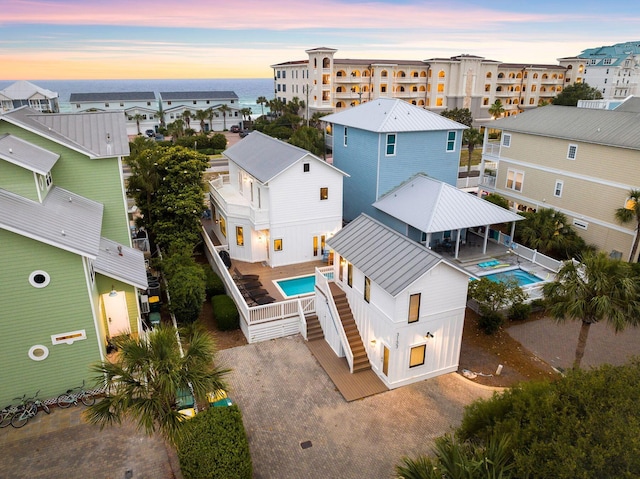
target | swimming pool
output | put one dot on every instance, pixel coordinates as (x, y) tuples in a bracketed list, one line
[(296, 286), (523, 277)]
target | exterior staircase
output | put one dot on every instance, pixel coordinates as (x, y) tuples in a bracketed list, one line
[(360, 359), (314, 330)]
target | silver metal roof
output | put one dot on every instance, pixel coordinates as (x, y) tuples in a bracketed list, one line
[(113, 96), (64, 220), (388, 258), (387, 115), (431, 205), (121, 263), (602, 127), (265, 157), (96, 134), (26, 155)]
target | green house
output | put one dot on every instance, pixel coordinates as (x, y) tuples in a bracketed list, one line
[(70, 277)]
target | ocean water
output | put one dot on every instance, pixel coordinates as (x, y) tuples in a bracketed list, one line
[(247, 89)]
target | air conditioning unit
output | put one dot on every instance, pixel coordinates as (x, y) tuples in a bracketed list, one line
[(144, 303)]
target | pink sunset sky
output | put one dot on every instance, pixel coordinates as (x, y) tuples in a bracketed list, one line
[(80, 39)]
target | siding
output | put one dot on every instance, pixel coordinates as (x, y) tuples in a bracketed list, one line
[(18, 180), (105, 284), (29, 316)]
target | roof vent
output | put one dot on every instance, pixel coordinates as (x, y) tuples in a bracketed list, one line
[(63, 233), (10, 150)]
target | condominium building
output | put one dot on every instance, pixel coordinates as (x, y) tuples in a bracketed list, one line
[(328, 84)]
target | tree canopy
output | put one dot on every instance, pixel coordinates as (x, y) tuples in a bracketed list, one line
[(578, 91), (631, 212), (461, 115)]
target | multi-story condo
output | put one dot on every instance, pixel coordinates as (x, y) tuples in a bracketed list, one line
[(328, 84), (186, 104), (614, 70), (580, 161), (23, 93)]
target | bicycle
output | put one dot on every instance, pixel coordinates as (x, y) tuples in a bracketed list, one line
[(67, 399), (8, 412), (31, 407)]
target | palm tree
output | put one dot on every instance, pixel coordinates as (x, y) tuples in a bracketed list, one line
[(143, 382), (545, 230), (599, 288), (246, 113), (138, 117), (631, 212), (262, 101), (186, 115), (224, 109), (211, 113), (176, 129), (472, 137), (497, 109), (201, 116), (160, 116)]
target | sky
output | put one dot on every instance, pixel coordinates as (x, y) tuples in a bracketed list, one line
[(175, 39)]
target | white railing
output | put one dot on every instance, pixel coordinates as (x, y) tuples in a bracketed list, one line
[(491, 149), (258, 216), (322, 284), (527, 253)]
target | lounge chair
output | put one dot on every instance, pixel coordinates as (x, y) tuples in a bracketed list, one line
[(244, 277), (257, 293), (250, 285), (265, 300)]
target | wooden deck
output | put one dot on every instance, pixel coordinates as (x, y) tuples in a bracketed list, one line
[(351, 386)]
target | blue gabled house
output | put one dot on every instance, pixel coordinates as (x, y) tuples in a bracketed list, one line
[(382, 143)]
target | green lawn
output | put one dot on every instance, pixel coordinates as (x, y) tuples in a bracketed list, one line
[(476, 156)]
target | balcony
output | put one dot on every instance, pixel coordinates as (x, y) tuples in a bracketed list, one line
[(234, 204), (491, 149), (350, 79)]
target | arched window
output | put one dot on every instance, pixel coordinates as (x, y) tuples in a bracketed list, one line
[(413, 102), (441, 74), (487, 87), (422, 88), (401, 74), (535, 75), (489, 75), (519, 75), (499, 88), (326, 62), (534, 87), (315, 63), (420, 102), (365, 73), (341, 73), (400, 89), (383, 73), (545, 76), (355, 73), (340, 89), (500, 75), (423, 74), (414, 88), (339, 104), (512, 75), (414, 74), (531, 101)]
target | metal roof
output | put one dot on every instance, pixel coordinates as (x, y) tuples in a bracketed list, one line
[(265, 157), (630, 104), (95, 134), (387, 115), (430, 205), (22, 90), (26, 155), (64, 220), (121, 263), (198, 95), (113, 96), (602, 127), (388, 258)]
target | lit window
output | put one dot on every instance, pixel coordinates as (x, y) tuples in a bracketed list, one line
[(414, 307), (451, 141), (514, 180), (350, 275), (572, 152), (223, 227), (391, 144), (277, 245), (367, 289), (324, 193), (557, 191), (417, 356), (239, 236)]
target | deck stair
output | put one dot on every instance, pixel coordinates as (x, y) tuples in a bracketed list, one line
[(314, 329), (360, 359)]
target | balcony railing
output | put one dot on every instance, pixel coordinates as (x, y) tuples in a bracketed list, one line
[(235, 205), (491, 149)]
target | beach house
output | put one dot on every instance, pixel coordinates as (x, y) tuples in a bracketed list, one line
[(24, 93)]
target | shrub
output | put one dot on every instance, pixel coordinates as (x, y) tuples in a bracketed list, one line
[(519, 311), (213, 284), (218, 142), (216, 446), (537, 304), (489, 321), (225, 312)]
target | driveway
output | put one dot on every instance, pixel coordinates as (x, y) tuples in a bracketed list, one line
[(299, 426)]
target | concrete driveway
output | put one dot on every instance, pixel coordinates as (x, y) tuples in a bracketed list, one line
[(299, 426)]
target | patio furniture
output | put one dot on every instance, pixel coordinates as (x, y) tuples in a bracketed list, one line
[(248, 277), (265, 300), (249, 285), (257, 293)]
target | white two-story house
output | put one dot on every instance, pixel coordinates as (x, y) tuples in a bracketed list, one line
[(279, 204)]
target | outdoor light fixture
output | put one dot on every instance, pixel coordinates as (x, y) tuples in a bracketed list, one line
[(373, 342), (113, 292), (428, 335)]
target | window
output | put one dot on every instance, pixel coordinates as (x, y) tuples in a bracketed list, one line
[(39, 279), (514, 180), (350, 275), (239, 236), (451, 141), (106, 105), (572, 152), (277, 245), (391, 144), (345, 136), (305, 167), (324, 193), (557, 191), (417, 356), (367, 289), (223, 227), (69, 337), (506, 140), (414, 307)]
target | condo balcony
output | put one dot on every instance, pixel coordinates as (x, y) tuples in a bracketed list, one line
[(235, 204)]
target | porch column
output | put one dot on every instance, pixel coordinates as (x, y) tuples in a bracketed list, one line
[(513, 231), (428, 240), (486, 238), (457, 243)]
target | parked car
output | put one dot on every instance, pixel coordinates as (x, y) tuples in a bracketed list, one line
[(150, 133), (234, 129), (159, 137), (244, 133)]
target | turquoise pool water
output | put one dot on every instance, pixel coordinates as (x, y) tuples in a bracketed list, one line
[(297, 286), (524, 278)]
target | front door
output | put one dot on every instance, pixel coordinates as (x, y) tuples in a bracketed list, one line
[(115, 309)]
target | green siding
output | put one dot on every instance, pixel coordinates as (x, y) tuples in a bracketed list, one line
[(18, 180), (98, 180), (104, 286), (30, 316)]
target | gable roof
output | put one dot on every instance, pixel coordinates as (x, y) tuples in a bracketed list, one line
[(121, 263), (265, 157), (388, 258), (95, 134), (113, 96), (26, 155), (603, 127), (23, 90), (442, 207), (387, 115), (64, 219), (198, 95)]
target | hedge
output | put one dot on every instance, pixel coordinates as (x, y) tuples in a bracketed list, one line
[(213, 284), (216, 446), (225, 313)]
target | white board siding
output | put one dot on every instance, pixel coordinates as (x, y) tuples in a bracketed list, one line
[(273, 329), (297, 240)]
